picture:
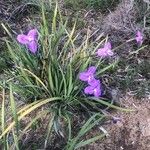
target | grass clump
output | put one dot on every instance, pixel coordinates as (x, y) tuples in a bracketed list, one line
[(49, 79)]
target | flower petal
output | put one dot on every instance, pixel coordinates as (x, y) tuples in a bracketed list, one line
[(105, 51), (92, 69), (97, 91), (139, 37), (139, 34), (108, 45), (33, 33), (94, 82), (33, 46), (88, 90), (101, 52), (21, 38), (83, 76), (88, 75)]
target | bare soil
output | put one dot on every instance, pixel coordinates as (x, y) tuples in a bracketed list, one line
[(132, 132)]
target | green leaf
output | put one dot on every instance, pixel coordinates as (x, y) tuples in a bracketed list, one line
[(54, 19), (3, 118), (14, 109), (70, 77), (28, 111), (111, 105), (89, 141), (49, 130), (15, 140), (85, 128)]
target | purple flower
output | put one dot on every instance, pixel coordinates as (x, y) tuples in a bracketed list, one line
[(139, 37), (30, 40), (94, 88), (105, 51), (88, 75)]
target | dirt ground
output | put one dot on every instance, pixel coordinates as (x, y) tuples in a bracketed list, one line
[(132, 132)]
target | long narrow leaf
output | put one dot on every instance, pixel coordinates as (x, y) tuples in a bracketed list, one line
[(111, 105), (70, 87), (14, 109), (38, 79), (28, 111), (15, 137), (50, 125), (54, 18), (89, 141), (3, 118)]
